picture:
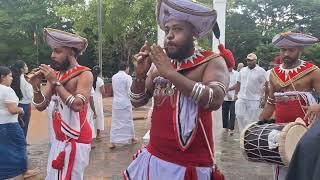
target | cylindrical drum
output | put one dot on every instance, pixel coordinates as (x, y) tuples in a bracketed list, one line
[(271, 143)]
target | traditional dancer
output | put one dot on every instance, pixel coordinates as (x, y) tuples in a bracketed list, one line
[(291, 83), (187, 83), (69, 84)]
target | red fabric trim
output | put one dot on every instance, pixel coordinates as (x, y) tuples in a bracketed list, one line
[(191, 173), (217, 175), (163, 143), (69, 128), (176, 123), (282, 115), (71, 73), (207, 56), (293, 76), (84, 137), (72, 157), (124, 175)]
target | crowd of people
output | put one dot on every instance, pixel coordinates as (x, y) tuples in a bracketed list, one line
[(186, 83)]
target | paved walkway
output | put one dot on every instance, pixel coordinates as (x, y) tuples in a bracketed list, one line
[(108, 164)]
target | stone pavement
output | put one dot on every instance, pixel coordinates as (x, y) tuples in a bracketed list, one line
[(108, 164)]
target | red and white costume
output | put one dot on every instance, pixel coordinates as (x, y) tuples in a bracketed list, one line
[(288, 105), (177, 147), (292, 100), (70, 150)]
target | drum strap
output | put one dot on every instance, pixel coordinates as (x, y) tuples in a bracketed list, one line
[(208, 144), (216, 174)]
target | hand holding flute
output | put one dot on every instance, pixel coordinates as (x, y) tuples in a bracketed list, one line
[(142, 62)]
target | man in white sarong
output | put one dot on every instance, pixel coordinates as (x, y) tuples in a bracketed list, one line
[(69, 84), (122, 127)]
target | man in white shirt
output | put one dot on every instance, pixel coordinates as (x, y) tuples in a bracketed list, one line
[(228, 106), (122, 129), (250, 83)]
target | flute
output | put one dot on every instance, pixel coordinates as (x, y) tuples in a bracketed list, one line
[(34, 72)]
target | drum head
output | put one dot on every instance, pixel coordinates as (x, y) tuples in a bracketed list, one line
[(289, 138), (242, 140)]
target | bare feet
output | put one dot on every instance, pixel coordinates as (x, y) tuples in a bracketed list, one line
[(231, 132), (134, 140), (112, 146), (31, 172), (98, 137)]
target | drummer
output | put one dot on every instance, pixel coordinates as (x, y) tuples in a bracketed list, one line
[(291, 84)]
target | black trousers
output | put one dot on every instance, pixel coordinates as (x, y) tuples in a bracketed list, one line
[(228, 114)]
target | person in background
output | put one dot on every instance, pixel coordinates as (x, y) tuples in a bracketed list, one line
[(69, 83), (292, 84), (250, 83), (99, 92), (24, 91), (187, 83), (50, 110), (228, 106), (13, 152), (122, 127), (92, 115), (240, 66)]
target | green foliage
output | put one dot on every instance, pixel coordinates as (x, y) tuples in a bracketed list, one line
[(21, 24), (242, 36), (251, 25), (266, 53), (126, 24), (312, 53)]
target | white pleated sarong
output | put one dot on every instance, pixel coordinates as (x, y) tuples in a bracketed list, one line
[(122, 129), (159, 169), (98, 104), (80, 163)]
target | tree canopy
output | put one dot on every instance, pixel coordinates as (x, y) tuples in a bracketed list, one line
[(250, 26)]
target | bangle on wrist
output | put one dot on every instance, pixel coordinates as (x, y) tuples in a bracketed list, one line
[(139, 79), (57, 84)]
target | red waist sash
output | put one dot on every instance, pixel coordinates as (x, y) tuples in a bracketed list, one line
[(164, 145), (85, 132)]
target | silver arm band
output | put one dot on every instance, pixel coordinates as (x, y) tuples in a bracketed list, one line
[(82, 97), (70, 102), (39, 104), (197, 92), (210, 100), (137, 97), (219, 84)]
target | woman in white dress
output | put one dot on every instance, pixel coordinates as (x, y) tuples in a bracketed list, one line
[(23, 90), (13, 151), (99, 91)]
